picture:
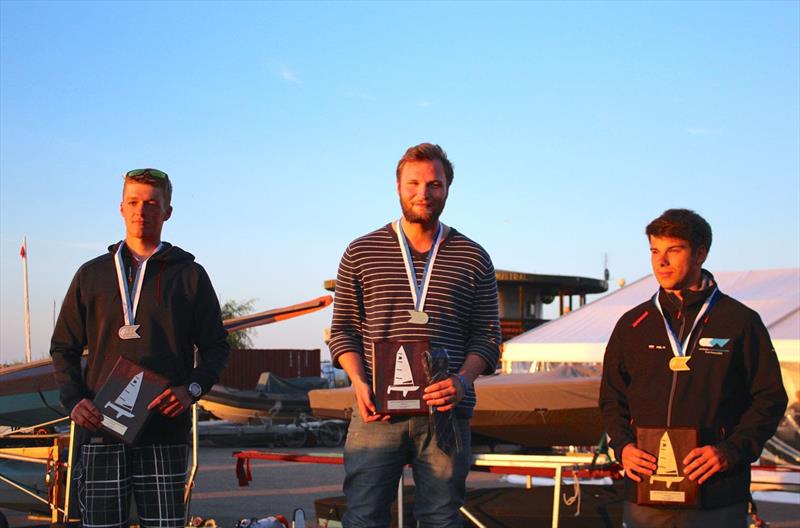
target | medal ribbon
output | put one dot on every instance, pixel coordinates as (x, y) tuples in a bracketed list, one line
[(129, 305), (678, 348), (418, 291)]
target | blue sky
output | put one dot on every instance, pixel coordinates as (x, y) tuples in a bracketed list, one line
[(571, 125)]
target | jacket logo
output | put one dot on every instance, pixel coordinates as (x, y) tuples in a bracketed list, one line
[(713, 345), (656, 347), (713, 342)]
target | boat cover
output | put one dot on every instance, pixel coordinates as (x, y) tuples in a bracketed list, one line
[(557, 407)]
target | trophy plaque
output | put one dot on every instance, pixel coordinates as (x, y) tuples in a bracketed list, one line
[(124, 397), (668, 486), (399, 377)]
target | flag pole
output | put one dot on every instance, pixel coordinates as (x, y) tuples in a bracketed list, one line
[(24, 254)]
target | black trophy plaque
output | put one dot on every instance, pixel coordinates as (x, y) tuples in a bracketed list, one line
[(668, 486), (124, 397), (399, 377)]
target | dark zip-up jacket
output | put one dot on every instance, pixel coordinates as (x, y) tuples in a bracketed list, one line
[(177, 311), (733, 393)]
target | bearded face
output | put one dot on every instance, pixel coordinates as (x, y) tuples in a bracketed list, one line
[(422, 188)]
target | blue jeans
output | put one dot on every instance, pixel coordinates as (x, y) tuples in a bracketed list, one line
[(374, 456), (636, 516)]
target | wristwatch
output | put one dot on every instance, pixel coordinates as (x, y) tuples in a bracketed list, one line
[(195, 390)]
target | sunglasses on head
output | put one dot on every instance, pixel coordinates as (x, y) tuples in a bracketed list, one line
[(153, 173)]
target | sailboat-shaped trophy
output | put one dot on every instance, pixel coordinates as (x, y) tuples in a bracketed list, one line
[(398, 377), (124, 397), (403, 377), (668, 485), (127, 398), (667, 470)]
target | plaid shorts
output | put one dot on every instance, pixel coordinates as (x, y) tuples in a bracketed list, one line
[(106, 474)]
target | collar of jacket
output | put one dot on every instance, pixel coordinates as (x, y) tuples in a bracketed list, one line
[(692, 299)]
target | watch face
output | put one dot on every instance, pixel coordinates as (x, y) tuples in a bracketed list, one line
[(195, 390)]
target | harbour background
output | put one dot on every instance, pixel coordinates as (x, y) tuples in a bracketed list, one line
[(570, 124)]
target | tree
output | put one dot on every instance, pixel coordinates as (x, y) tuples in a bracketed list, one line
[(231, 309)]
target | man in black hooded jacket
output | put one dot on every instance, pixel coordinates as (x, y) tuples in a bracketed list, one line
[(691, 357), (149, 302)]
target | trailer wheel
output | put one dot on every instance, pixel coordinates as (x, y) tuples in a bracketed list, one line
[(330, 434), (296, 438)]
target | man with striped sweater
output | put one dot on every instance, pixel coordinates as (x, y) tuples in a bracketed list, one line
[(414, 280)]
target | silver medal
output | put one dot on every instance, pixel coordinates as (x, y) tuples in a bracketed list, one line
[(129, 332), (130, 298), (419, 291), (418, 317)]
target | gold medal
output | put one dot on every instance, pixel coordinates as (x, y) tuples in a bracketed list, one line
[(679, 364)]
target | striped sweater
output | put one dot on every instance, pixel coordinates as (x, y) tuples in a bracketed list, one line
[(373, 297)]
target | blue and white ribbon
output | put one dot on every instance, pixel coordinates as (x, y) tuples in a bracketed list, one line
[(678, 348), (130, 302), (419, 291)]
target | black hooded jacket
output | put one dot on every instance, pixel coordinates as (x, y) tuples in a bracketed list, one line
[(178, 310), (733, 393)]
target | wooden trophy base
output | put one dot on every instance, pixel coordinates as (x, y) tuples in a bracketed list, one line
[(124, 397), (668, 486), (399, 377)]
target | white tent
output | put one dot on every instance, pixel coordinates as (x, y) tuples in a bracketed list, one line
[(581, 336)]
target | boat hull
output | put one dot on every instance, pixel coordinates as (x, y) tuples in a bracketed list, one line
[(29, 395), (248, 406)]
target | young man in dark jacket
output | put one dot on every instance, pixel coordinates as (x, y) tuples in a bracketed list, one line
[(149, 302), (691, 357)]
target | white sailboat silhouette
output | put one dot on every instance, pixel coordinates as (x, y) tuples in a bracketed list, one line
[(403, 379), (127, 398), (667, 470)]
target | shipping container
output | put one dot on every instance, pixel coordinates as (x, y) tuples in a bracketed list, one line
[(246, 365)]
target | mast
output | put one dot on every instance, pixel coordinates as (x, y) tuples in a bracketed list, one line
[(23, 252)]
